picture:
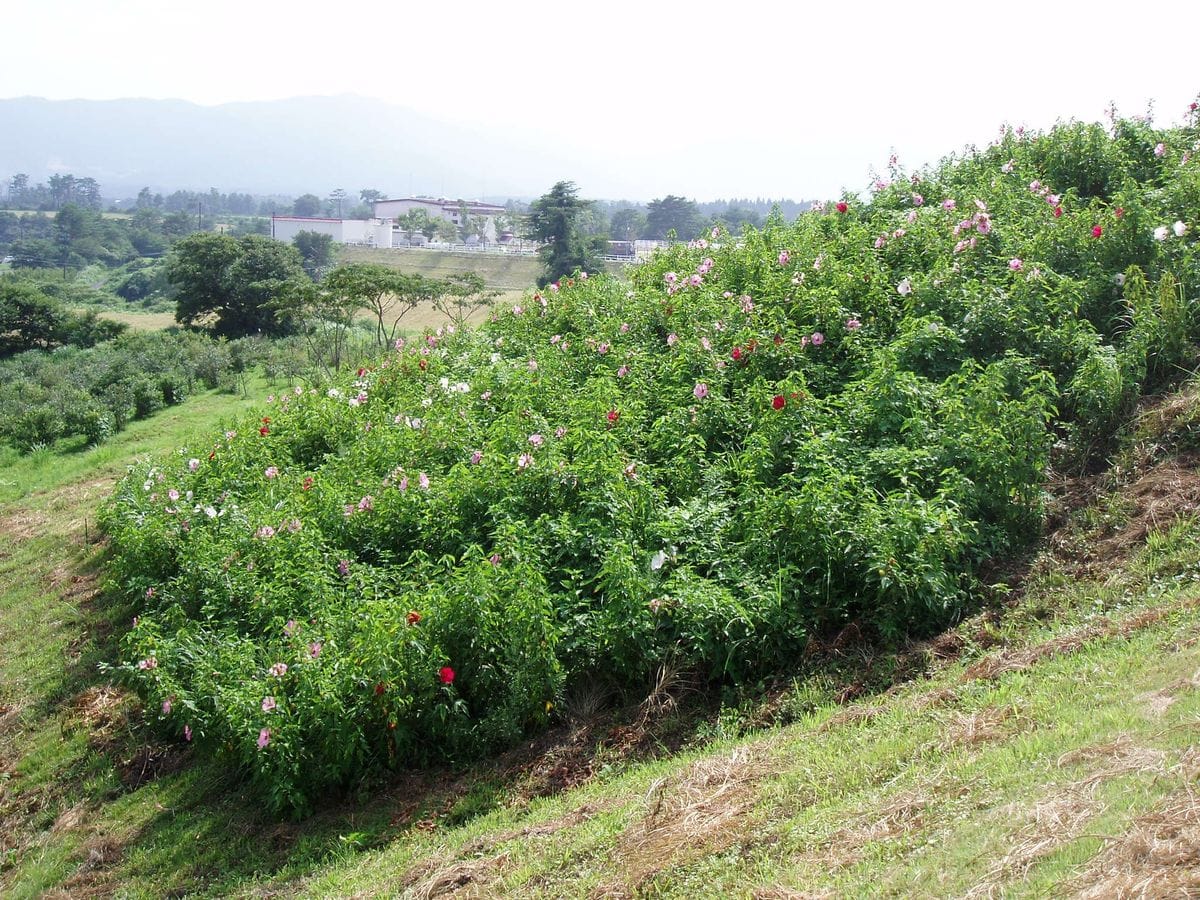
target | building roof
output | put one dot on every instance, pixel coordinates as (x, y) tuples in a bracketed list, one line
[(473, 206), (307, 219)]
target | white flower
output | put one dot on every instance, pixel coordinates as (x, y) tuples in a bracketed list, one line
[(657, 560), (1119, 279), (1160, 233), (904, 288), (1180, 228)]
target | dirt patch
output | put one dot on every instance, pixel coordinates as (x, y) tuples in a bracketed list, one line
[(1121, 756), (699, 811), (22, 525), (983, 725), (1017, 660), (1049, 824), (466, 877), (1157, 856)]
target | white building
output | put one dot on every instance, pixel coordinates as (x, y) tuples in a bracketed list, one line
[(449, 210), (371, 232)]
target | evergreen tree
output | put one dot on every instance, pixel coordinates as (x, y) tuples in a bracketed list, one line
[(553, 221)]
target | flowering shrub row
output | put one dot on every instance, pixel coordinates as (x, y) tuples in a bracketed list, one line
[(759, 440)]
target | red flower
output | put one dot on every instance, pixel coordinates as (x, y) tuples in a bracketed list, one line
[(362, 372), (1119, 211), (379, 689), (736, 354), (779, 402), (422, 364), (213, 455), (264, 431), (308, 483), (1057, 211), (752, 346), (842, 206), (779, 340), (413, 617), (266, 420), (446, 674), (612, 416), (1097, 231)]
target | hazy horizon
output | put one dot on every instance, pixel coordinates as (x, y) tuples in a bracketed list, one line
[(676, 98)]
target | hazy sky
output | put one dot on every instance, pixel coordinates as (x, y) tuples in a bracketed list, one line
[(708, 100)]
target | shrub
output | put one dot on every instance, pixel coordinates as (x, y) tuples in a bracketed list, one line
[(826, 422)]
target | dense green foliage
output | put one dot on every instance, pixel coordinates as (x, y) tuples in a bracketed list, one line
[(821, 423), (233, 281), (95, 391), (31, 320)]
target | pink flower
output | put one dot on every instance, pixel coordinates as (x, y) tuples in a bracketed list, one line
[(560, 431), (1097, 231), (271, 472), (948, 204), (1160, 149), (266, 532), (612, 415), (494, 559), (314, 649), (842, 206), (290, 628), (446, 675), (278, 670), (671, 339), (537, 440), (423, 481), (264, 738), (343, 567), (172, 495), (531, 365), (670, 278), (918, 200), (268, 704), (166, 706), (603, 348), (476, 457), (700, 391), (912, 216), (852, 324), (1015, 264), (187, 732), (817, 339), (695, 280), (1058, 211), (193, 464), (705, 343), (524, 461), (784, 257), (624, 329), (623, 371)]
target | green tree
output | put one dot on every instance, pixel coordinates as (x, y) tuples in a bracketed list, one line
[(627, 224), (307, 206), (316, 250), (370, 195), (671, 213), (553, 221), (387, 293), (233, 280), (29, 320), (463, 294)]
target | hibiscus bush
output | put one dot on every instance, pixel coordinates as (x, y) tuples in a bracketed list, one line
[(755, 442)]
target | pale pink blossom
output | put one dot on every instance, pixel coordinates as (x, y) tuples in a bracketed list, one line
[(948, 203), (1160, 149), (476, 457), (271, 472), (268, 704), (852, 324), (423, 481), (817, 339), (700, 391), (1015, 264), (278, 670), (264, 738), (525, 460)]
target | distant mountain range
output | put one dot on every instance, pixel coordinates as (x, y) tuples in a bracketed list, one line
[(294, 146)]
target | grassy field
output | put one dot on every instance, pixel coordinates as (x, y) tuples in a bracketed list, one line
[(1047, 745), (502, 273)]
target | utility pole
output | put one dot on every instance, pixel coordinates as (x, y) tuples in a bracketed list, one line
[(199, 216)]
